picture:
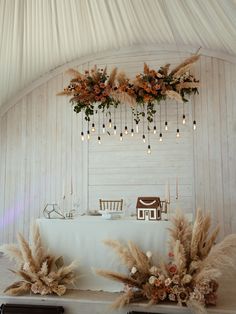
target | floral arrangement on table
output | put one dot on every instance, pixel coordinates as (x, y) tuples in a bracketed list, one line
[(189, 278), (95, 89), (40, 272)]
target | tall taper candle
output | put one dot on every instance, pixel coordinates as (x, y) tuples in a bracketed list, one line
[(177, 188)]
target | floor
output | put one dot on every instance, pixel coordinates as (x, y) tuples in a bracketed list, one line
[(98, 302)]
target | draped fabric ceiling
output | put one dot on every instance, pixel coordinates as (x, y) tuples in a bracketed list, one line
[(38, 35)]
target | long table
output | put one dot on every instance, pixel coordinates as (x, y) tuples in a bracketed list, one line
[(82, 239)]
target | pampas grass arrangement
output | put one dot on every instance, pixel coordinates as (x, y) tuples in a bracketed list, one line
[(40, 272), (191, 273)]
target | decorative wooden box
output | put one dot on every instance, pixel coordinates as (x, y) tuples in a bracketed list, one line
[(148, 208)]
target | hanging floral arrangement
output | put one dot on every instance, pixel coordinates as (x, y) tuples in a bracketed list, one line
[(96, 90), (190, 277)]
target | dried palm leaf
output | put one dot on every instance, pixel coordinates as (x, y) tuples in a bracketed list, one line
[(179, 257), (222, 257), (186, 62), (181, 230), (124, 98), (118, 277), (122, 300), (174, 95), (65, 93), (207, 274), (196, 234), (186, 85), (17, 288), (75, 73), (196, 307), (12, 252), (26, 252), (146, 69), (165, 69), (121, 78), (112, 77), (210, 242), (141, 260), (122, 251), (37, 246)]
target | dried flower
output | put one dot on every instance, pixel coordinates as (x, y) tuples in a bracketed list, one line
[(183, 296), (168, 281), (162, 294), (149, 254), (175, 279), (186, 279), (133, 270), (172, 269), (152, 280), (196, 295), (154, 270), (172, 297)]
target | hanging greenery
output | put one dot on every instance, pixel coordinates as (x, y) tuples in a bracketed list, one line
[(96, 90)]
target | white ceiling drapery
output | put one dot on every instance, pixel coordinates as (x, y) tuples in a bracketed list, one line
[(39, 35)]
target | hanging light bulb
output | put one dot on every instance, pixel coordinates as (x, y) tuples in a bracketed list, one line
[(144, 139), (93, 127), (160, 137), (114, 129), (88, 135), (166, 126), (121, 137), (82, 136), (132, 132), (194, 125), (99, 140), (184, 121), (110, 123), (136, 127), (177, 133), (103, 128), (149, 149), (154, 129), (126, 130)]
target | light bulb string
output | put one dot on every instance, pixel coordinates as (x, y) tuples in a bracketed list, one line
[(155, 115), (177, 113), (99, 123), (121, 124), (144, 120), (132, 119), (160, 119), (125, 115), (166, 113), (82, 121)]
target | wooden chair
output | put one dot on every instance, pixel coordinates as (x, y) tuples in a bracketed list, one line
[(111, 205)]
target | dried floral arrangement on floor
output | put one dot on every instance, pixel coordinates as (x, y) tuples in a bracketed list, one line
[(188, 278), (40, 272)]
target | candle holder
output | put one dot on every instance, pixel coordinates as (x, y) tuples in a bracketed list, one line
[(164, 208), (52, 211)]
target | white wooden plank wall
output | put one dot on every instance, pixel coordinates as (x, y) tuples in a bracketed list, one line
[(42, 157)]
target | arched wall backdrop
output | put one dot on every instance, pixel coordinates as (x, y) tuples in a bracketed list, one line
[(42, 157)]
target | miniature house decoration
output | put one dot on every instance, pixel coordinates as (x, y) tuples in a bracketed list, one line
[(148, 208)]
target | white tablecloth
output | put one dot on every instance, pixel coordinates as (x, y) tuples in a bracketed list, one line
[(82, 239)]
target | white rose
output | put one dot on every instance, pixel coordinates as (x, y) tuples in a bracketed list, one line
[(152, 280), (153, 270), (133, 270), (149, 254)]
